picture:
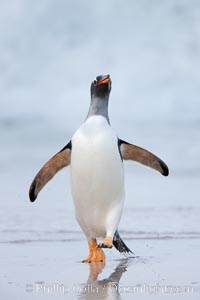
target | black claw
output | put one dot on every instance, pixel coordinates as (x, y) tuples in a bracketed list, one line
[(104, 246)]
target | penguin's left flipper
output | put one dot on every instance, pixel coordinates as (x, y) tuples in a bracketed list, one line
[(46, 173), (132, 152)]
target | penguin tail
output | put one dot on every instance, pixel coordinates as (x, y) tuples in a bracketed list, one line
[(120, 245)]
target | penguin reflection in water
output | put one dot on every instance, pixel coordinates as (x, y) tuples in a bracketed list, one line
[(95, 155), (106, 288)]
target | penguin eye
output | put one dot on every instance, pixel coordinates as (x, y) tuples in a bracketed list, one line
[(95, 82)]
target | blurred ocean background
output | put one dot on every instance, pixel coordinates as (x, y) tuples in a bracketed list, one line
[(50, 51)]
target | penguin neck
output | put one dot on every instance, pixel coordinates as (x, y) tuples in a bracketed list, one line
[(99, 107)]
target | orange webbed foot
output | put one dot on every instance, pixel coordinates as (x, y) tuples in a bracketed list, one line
[(95, 254), (107, 243)]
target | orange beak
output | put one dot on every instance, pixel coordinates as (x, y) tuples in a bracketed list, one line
[(104, 80)]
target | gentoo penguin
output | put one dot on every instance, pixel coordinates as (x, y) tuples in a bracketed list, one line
[(95, 155)]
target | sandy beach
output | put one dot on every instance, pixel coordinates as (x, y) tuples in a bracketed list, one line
[(46, 269)]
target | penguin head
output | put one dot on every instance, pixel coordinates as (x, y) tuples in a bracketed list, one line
[(101, 86)]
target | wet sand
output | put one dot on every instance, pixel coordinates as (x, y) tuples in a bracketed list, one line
[(46, 270)]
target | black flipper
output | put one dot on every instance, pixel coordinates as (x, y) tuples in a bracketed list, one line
[(120, 245)]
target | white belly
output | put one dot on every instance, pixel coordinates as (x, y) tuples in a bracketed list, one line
[(97, 178)]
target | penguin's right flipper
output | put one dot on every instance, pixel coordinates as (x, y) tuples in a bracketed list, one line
[(46, 173), (135, 153)]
